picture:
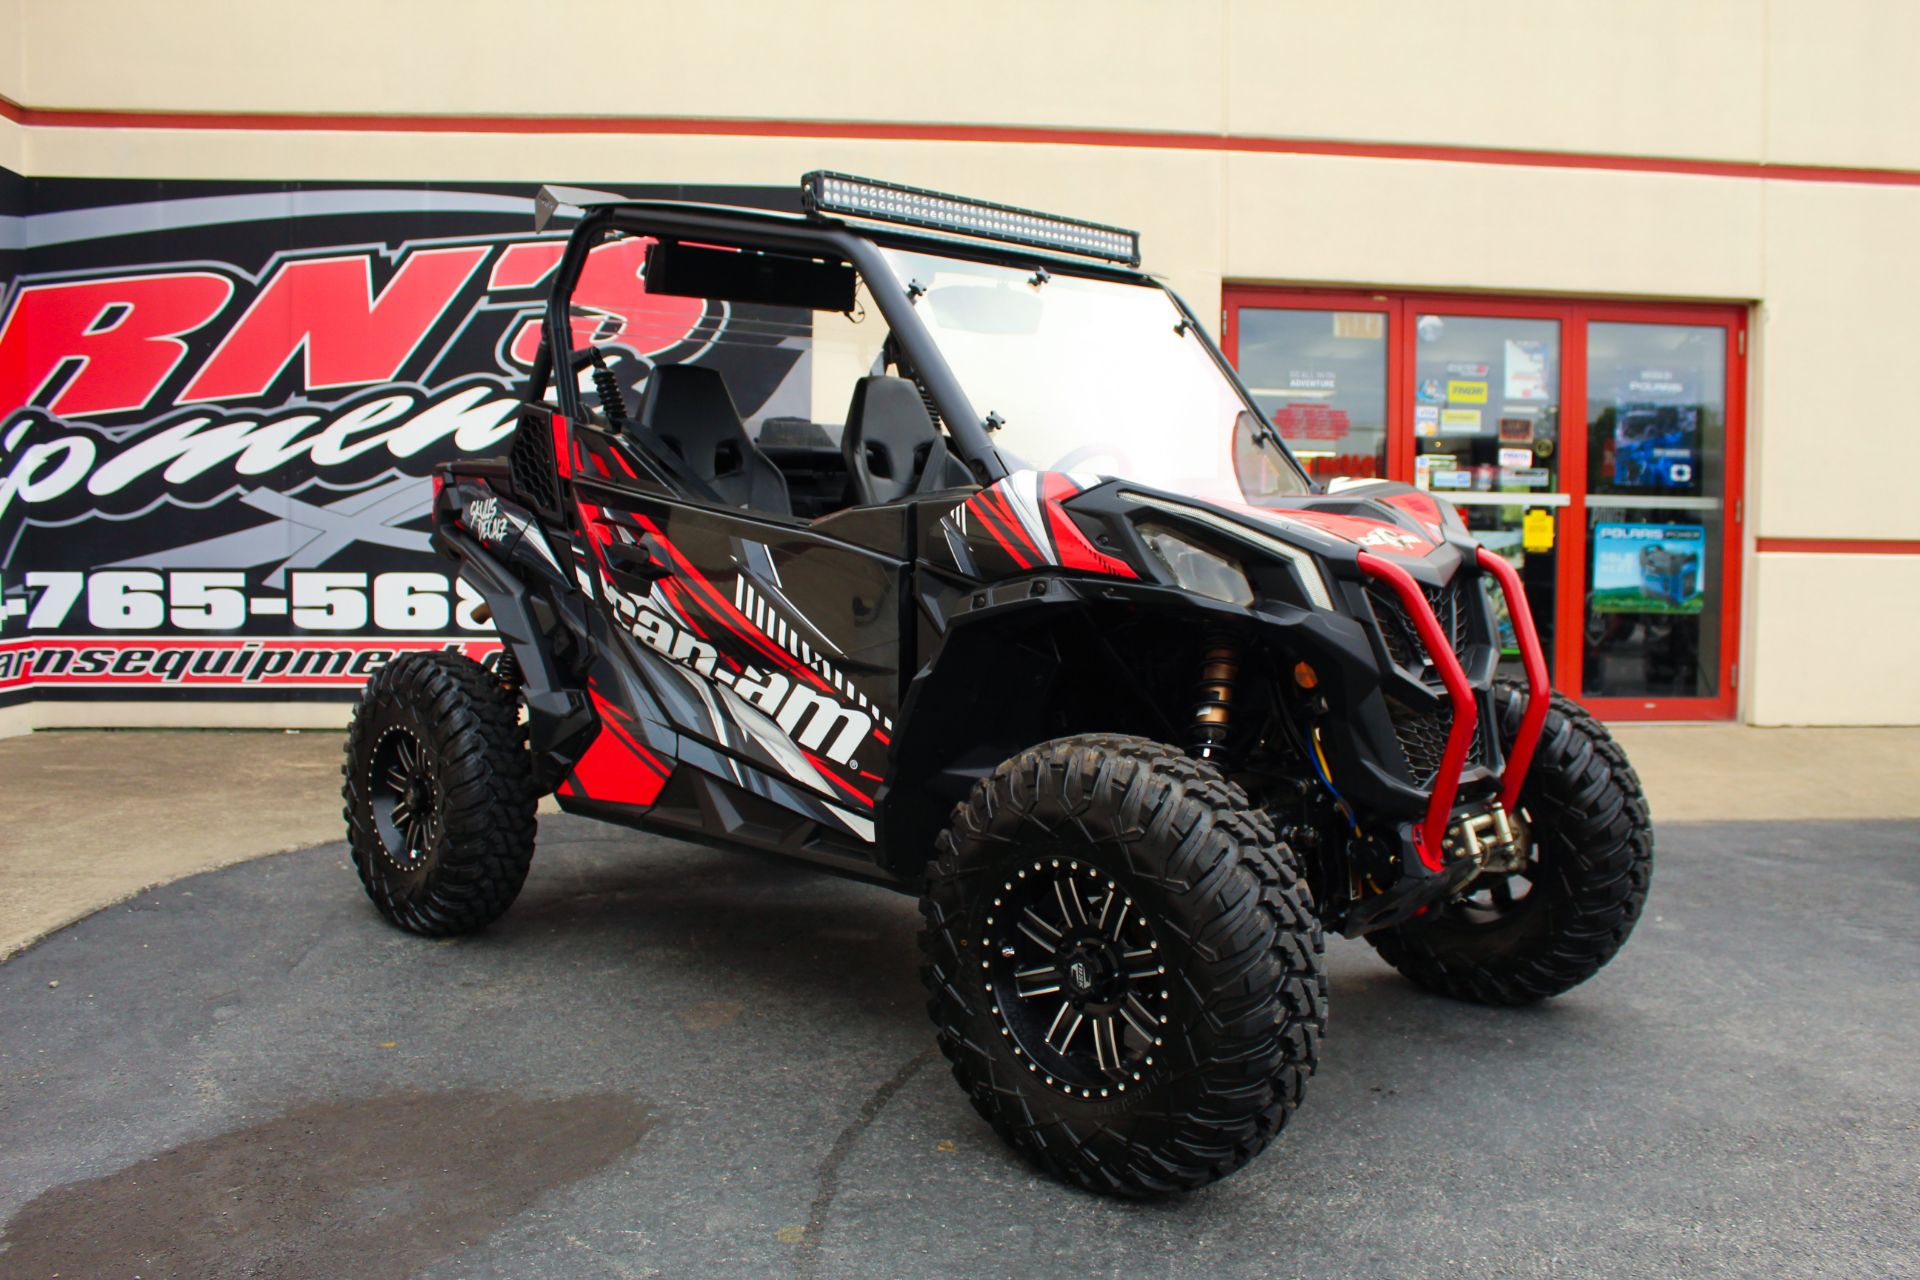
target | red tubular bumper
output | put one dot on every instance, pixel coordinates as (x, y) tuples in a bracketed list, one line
[(1446, 783), (1539, 691)]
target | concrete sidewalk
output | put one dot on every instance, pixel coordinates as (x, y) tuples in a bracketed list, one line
[(93, 817)]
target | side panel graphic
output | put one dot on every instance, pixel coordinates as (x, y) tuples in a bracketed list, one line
[(789, 699)]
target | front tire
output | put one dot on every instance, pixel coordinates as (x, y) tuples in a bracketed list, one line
[(1124, 966), (1511, 940), (439, 794)]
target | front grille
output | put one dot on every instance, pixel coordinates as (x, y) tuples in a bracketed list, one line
[(1423, 740), (1423, 734), (1452, 608)]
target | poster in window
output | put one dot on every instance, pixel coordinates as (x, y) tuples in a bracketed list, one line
[(1648, 568), (1526, 370), (1656, 446)]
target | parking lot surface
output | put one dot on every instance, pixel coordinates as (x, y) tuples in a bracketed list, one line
[(672, 1062)]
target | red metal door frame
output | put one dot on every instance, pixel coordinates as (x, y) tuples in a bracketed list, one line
[(1573, 315), (1732, 319)]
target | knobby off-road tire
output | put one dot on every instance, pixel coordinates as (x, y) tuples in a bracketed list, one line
[(439, 794), (1205, 994), (1584, 889)]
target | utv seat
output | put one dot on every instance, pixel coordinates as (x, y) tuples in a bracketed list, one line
[(689, 409), (891, 447)]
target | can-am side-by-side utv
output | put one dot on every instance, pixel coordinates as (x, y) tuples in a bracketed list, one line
[(929, 541)]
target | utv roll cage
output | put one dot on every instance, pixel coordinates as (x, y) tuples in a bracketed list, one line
[(1000, 234)]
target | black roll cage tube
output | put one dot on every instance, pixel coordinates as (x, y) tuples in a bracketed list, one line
[(812, 235)]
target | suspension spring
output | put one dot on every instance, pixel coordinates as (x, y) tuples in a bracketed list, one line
[(507, 671), (1213, 699), (606, 385)]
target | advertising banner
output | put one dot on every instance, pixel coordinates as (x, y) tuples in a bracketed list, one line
[(219, 407), (1656, 446), (1648, 568)]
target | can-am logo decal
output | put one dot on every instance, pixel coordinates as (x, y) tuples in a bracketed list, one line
[(1384, 536), (814, 720)]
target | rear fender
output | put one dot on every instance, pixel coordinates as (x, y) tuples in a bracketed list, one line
[(530, 621)]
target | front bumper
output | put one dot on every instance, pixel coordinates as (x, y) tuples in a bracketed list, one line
[(1448, 843)]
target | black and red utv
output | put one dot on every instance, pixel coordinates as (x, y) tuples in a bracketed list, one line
[(928, 540)]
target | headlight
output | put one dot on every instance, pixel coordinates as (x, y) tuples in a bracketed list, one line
[(1312, 581), (1197, 568)]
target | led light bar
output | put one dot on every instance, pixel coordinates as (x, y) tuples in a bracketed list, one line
[(848, 196)]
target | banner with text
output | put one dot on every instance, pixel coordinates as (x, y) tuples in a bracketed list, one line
[(219, 406)]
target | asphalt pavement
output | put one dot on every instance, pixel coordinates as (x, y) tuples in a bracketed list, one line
[(672, 1062)]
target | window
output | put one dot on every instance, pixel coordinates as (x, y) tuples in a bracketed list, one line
[(1622, 515)]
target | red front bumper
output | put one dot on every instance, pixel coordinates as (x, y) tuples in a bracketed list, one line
[(1446, 784)]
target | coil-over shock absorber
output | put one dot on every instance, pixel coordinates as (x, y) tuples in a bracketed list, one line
[(506, 670), (1213, 698), (606, 385)]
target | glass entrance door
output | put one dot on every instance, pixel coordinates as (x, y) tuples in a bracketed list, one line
[(1658, 526), (1486, 427), (1598, 445)]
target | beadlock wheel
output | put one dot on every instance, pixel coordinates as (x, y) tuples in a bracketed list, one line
[(402, 800), (439, 794), (1123, 965), (1075, 967)]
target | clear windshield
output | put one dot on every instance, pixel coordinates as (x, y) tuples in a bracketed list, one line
[(1094, 376)]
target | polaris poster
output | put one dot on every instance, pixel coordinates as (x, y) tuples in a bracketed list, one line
[(1656, 446), (1648, 568), (219, 407)]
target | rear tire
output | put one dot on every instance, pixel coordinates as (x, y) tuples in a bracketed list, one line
[(439, 794), (1585, 885), (1201, 983)]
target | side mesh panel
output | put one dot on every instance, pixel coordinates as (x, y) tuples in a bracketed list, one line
[(530, 463)]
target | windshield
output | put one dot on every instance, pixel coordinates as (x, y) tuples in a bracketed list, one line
[(1094, 376)]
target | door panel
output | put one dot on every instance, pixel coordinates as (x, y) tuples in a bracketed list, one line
[(772, 649)]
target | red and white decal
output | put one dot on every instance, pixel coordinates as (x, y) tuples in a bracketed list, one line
[(804, 717), (1024, 518), (1375, 535), (616, 768)]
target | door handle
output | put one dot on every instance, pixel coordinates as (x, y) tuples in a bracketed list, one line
[(637, 560)]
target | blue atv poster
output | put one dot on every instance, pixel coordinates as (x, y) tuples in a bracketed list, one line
[(1656, 446), (1648, 568)]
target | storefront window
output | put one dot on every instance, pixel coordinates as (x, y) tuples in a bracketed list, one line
[(1486, 425), (1321, 377), (1656, 484), (1595, 444)]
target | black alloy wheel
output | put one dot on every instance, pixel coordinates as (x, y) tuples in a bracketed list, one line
[(1123, 965), (1075, 966), (403, 801), (439, 794)]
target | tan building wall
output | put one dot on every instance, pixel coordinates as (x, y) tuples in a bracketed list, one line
[(1828, 265)]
